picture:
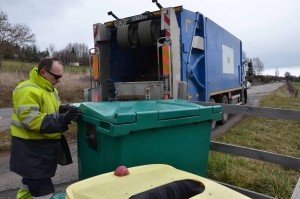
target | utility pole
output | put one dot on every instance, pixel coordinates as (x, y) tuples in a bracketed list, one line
[(276, 72)]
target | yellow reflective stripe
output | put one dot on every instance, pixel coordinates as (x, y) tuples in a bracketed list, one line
[(56, 96), (17, 124), (24, 108), (26, 85), (23, 194), (29, 118), (24, 125)]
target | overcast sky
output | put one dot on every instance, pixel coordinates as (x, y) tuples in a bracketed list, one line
[(268, 29)]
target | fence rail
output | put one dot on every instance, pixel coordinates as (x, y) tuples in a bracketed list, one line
[(283, 160), (274, 158), (273, 113)]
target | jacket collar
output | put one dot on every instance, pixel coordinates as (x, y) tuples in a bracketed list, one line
[(40, 81)]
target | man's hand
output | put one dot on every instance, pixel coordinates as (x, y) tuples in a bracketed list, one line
[(72, 114), (64, 108)]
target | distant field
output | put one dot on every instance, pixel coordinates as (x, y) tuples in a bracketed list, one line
[(11, 66)]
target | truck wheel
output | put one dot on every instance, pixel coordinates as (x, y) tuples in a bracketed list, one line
[(224, 115), (213, 123)]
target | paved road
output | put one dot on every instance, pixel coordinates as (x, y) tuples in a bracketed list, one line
[(254, 95), (256, 92), (5, 118), (5, 112), (67, 175)]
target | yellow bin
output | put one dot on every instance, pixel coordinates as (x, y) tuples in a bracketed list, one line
[(144, 179)]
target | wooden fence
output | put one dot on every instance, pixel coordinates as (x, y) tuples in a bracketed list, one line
[(283, 160)]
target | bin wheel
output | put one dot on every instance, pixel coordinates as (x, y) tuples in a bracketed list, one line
[(224, 115), (213, 123)]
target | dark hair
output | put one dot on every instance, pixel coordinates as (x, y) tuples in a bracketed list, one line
[(46, 63)]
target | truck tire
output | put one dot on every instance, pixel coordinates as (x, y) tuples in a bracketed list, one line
[(214, 122), (224, 115)]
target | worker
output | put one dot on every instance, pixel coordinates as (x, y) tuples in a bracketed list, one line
[(36, 129), (245, 90)]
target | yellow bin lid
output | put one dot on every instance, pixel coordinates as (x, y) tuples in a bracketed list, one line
[(141, 179)]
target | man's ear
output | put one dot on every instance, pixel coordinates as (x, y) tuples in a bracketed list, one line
[(42, 72)]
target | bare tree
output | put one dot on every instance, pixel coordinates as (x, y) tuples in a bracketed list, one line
[(51, 49), (245, 60), (74, 52), (250, 70), (258, 66), (287, 75), (13, 35)]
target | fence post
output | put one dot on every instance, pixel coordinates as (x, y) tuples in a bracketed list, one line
[(296, 193)]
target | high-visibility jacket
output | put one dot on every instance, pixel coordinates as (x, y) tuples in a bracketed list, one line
[(36, 128)]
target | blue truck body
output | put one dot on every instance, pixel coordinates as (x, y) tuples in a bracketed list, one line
[(209, 69)]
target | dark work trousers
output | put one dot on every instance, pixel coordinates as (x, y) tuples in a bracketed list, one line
[(39, 187)]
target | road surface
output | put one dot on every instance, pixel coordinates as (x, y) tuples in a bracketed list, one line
[(66, 175), (5, 118), (254, 95)]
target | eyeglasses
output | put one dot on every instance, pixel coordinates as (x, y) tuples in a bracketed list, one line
[(54, 75)]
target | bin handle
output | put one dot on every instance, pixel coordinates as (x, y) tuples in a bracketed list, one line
[(103, 130)]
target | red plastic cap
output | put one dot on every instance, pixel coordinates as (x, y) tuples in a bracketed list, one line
[(121, 171)]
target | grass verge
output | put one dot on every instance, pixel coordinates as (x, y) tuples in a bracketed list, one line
[(278, 136)]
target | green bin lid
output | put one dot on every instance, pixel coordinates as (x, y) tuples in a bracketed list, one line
[(121, 117), (121, 112)]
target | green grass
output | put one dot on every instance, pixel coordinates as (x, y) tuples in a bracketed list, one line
[(278, 136), (296, 85)]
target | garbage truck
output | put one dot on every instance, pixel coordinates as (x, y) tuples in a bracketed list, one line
[(171, 53)]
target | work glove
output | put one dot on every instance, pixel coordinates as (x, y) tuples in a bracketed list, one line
[(64, 108), (72, 114)]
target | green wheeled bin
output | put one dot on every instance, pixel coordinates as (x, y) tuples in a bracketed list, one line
[(133, 133)]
